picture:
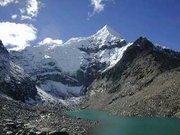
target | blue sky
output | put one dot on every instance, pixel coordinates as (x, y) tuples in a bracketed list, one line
[(158, 20)]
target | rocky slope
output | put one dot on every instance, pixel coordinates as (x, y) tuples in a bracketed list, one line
[(145, 82), (68, 69), (14, 82), (22, 119)]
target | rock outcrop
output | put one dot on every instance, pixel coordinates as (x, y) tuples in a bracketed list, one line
[(14, 82)]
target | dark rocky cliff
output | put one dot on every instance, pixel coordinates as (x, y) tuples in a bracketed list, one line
[(13, 81)]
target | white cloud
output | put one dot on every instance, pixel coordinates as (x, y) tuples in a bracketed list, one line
[(31, 10), (7, 2), (25, 17), (14, 16), (50, 41), (16, 36), (28, 9), (98, 6)]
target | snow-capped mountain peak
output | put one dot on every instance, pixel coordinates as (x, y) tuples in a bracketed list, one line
[(69, 68), (106, 35), (107, 30)]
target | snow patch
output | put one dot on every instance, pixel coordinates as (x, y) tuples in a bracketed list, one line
[(59, 90), (114, 59), (45, 97), (48, 98)]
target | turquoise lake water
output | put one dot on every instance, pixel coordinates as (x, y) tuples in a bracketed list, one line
[(113, 125)]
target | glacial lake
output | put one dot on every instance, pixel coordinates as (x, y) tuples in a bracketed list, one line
[(113, 125)]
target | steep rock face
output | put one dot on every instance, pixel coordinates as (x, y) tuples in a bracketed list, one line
[(145, 81), (13, 81), (68, 69)]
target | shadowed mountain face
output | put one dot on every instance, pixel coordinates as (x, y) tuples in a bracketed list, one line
[(13, 81), (145, 81)]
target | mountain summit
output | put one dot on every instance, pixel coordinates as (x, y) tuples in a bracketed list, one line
[(67, 70), (106, 35), (106, 31)]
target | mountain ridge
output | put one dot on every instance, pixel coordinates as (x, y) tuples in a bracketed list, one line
[(144, 82), (68, 69)]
